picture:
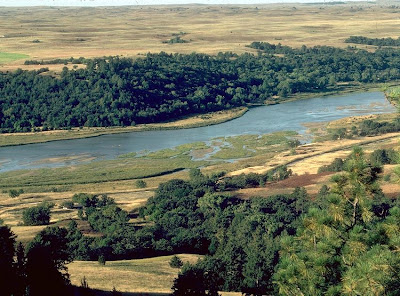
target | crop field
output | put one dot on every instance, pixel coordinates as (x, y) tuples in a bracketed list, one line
[(56, 32)]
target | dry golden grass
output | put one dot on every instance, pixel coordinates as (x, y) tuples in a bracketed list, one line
[(310, 157), (133, 31), (140, 275)]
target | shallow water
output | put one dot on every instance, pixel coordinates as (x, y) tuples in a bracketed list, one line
[(260, 120)]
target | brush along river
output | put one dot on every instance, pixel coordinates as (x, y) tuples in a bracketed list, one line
[(290, 116)]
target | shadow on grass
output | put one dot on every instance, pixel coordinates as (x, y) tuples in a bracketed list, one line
[(94, 292)]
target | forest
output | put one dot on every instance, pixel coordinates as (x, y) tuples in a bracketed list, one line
[(343, 242), (116, 91)]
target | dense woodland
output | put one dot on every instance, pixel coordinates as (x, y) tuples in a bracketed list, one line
[(119, 91), (343, 242), (373, 41)]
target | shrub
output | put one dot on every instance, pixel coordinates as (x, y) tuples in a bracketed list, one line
[(336, 166), (15, 193), (115, 292), (102, 260), (141, 184), (384, 156), (68, 204), (176, 262)]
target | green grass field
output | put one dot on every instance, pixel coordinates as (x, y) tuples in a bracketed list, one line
[(7, 57)]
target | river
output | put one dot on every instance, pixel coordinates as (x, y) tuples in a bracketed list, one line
[(260, 120)]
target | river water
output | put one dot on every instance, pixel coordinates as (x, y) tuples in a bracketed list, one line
[(260, 120)]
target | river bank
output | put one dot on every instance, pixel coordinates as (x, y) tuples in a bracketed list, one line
[(199, 120), (290, 116)]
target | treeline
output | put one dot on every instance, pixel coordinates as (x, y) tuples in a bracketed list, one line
[(389, 41), (71, 60), (118, 91)]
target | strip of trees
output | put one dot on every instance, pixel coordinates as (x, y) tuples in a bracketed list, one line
[(389, 41)]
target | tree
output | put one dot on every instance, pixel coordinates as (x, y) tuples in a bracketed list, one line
[(47, 255), (191, 281), (343, 248), (8, 282), (39, 215), (20, 270)]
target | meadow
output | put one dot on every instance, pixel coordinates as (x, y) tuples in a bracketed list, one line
[(6, 57), (152, 275)]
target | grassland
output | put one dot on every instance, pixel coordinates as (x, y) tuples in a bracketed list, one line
[(142, 275), (245, 146), (62, 32)]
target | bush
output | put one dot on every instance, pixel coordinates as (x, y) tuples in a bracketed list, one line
[(115, 292), (15, 193), (39, 215), (140, 184), (384, 156), (176, 262), (102, 260), (68, 204), (336, 166)]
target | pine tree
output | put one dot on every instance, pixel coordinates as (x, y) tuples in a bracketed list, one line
[(343, 248)]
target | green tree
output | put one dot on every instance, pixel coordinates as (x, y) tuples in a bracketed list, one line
[(8, 278), (39, 215), (338, 249), (191, 281), (46, 266)]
